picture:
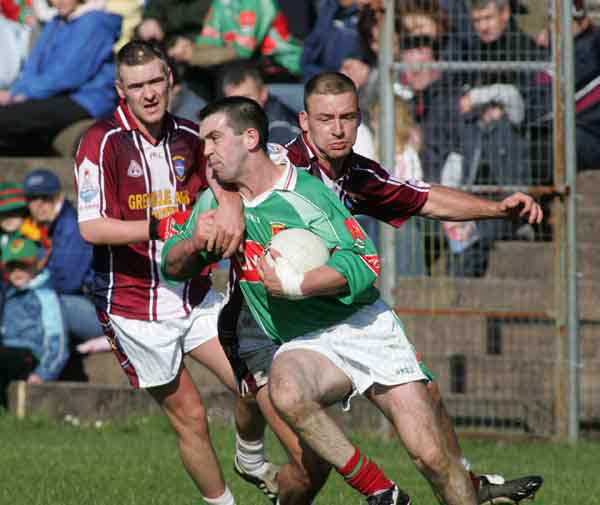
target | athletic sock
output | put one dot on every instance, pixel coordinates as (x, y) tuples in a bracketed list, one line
[(364, 475), (225, 499), (466, 463), (250, 455)]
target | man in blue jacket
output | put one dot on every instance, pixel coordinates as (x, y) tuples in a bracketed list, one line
[(70, 257), (69, 76)]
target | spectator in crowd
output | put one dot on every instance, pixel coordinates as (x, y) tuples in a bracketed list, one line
[(587, 85), (165, 20), (33, 341), (14, 40), (163, 23), (131, 16), (435, 109), (13, 210), (69, 258), (335, 42), (68, 77), (20, 22), (427, 18), (243, 78), (28, 12), (410, 253), (15, 220), (234, 29), (498, 38)]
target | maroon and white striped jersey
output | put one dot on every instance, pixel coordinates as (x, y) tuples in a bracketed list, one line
[(120, 174), (364, 187)]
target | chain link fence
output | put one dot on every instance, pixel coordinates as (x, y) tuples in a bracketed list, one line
[(489, 304)]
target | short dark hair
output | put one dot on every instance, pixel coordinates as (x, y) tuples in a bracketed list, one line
[(236, 72), (138, 52), (328, 83), (242, 113)]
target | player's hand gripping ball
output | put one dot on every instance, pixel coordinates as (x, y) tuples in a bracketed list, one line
[(293, 252)]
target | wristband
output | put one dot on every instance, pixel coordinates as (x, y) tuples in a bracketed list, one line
[(290, 279), (153, 228)]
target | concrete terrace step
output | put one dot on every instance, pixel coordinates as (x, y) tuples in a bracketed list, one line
[(15, 168), (588, 224), (588, 188), (96, 403), (91, 404), (535, 260), (505, 296), (477, 335)]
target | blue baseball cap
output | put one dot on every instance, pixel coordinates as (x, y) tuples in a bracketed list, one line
[(41, 182)]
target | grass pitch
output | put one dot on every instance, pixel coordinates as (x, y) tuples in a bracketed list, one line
[(136, 463)]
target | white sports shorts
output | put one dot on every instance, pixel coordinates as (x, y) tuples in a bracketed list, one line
[(150, 352), (370, 347)]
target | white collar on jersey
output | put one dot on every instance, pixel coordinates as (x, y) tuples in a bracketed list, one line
[(286, 182)]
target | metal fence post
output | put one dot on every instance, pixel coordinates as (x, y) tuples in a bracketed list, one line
[(565, 266), (386, 244), (386, 146), (571, 221)]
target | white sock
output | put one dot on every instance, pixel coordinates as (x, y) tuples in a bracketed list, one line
[(466, 463), (250, 455), (225, 499)]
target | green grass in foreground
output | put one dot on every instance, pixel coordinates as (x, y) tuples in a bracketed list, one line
[(136, 463)]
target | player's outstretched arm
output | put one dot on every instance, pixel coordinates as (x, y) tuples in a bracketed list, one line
[(448, 204)]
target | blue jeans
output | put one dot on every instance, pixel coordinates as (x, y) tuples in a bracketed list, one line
[(80, 317), (291, 95), (187, 104)]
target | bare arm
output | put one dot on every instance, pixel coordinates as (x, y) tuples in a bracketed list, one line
[(228, 234), (447, 204), (181, 261), (320, 281), (109, 231), (323, 281)]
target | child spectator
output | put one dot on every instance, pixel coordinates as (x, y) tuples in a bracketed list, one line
[(69, 76), (13, 210), (70, 257), (33, 341)]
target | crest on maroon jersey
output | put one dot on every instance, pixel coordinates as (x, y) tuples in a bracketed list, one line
[(134, 169), (179, 166)]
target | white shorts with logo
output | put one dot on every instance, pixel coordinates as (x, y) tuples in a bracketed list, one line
[(370, 347), (151, 352)]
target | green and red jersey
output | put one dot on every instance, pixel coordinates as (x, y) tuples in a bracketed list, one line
[(298, 200)]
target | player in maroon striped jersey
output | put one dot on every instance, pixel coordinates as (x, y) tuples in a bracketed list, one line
[(133, 171)]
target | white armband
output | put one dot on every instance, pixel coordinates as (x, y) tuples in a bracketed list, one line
[(290, 279)]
